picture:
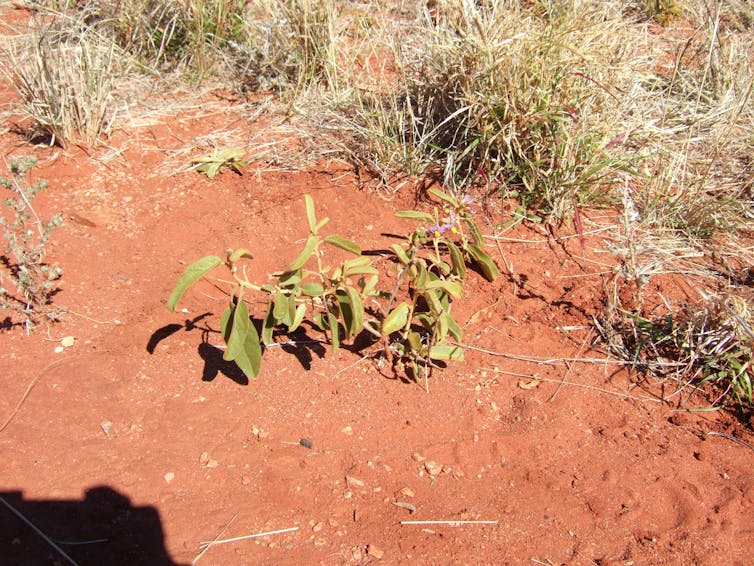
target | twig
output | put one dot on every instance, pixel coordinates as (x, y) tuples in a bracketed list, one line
[(731, 437), (206, 548), (548, 361), (257, 535), (449, 522), (39, 532), (582, 385), (568, 365)]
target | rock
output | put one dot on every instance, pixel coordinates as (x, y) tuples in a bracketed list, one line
[(169, 477), (416, 457), (375, 552), (432, 467), (107, 428), (408, 492), (354, 482), (318, 527), (347, 430), (68, 341)]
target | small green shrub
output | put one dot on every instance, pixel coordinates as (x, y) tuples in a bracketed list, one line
[(27, 283), (414, 332)]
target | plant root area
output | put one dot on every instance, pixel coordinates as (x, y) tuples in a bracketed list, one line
[(138, 443)]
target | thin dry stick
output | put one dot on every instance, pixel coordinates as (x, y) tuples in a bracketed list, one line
[(47, 539), (731, 438), (449, 522), (206, 548), (28, 390), (584, 386), (548, 361), (256, 535), (569, 367)]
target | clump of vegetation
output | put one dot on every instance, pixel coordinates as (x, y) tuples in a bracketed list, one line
[(522, 101), (64, 80), (414, 333), (27, 283), (219, 159)]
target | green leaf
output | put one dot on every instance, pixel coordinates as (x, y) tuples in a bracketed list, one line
[(332, 322), (298, 317), (289, 278), (358, 266), (239, 328), (415, 215), (357, 308), (400, 253), (396, 320), (269, 323), (455, 330), (191, 275), (312, 289), (446, 352), (486, 265), (433, 301), (476, 235), (443, 197), (224, 326), (306, 253), (235, 255), (282, 308), (451, 287), (249, 358), (310, 216), (343, 244), (456, 258)]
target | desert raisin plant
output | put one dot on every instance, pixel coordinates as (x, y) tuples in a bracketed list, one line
[(27, 283), (414, 321)]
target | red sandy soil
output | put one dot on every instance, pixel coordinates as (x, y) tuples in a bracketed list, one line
[(141, 435)]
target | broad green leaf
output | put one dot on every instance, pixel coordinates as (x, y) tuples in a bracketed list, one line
[(433, 301), (312, 289), (370, 286), (358, 266), (456, 258), (347, 311), (450, 287), (396, 320), (283, 308), (319, 320), (415, 215), (289, 278), (191, 275), (298, 317), (306, 253), (343, 244), (446, 352), (487, 266), (310, 216), (455, 330), (332, 323), (476, 235), (249, 359), (269, 323), (235, 255), (358, 310), (443, 197), (400, 253), (224, 326), (415, 341), (239, 328)]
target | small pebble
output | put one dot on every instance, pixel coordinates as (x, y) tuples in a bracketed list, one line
[(170, 476)]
